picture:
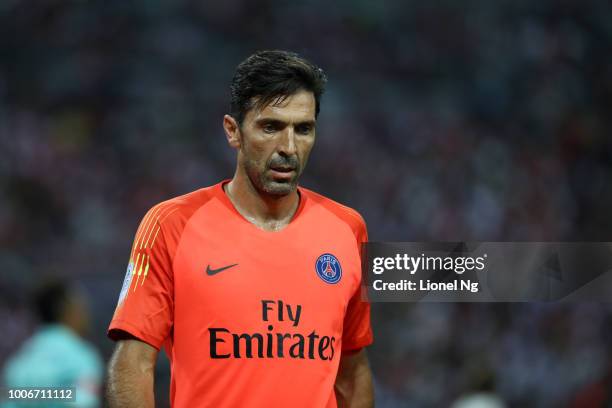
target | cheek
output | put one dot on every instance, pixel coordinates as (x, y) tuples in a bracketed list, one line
[(256, 153), (305, 148)]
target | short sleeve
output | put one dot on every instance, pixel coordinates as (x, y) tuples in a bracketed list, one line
[(357, 332), (145, 308)]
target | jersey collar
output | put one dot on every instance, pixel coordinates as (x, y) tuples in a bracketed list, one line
[(220, 193)]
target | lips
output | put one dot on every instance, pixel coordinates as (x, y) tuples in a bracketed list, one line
[(282, 173), (281, 169)]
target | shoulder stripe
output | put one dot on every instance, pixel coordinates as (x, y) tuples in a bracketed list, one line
[(143, 227), (134, 270), (154, 237), (176, 207), (147, 226), (158, 223), (152, 220), (149, 230), (146, 271), (155, 223), (151, 227), (145, 258)]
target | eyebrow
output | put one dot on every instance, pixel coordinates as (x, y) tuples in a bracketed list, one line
[(265, 121)]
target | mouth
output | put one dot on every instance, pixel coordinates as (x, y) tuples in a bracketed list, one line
[(280, 172)]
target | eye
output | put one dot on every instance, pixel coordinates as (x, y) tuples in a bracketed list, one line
[(269, 128), (303, 129)]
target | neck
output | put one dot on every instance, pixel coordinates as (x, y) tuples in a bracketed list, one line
[(268, 212)]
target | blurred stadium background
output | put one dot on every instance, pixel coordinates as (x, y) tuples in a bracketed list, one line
[(472, 120)]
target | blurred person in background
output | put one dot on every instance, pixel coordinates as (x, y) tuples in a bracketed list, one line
[(482, 392), (479, 400), (57, 355)]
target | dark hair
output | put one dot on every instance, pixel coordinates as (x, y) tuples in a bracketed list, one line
[(269, 75), (50, 299)]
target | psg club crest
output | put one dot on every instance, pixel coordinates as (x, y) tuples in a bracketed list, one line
[(328, 268)]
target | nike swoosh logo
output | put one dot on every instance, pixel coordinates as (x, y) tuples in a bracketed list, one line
[(211, 272)]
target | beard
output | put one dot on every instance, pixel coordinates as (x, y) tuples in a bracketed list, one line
[(265, 181)]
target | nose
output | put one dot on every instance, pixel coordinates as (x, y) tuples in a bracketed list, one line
[(286, 145)]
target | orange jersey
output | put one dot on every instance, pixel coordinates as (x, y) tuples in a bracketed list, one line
[(247, 317)]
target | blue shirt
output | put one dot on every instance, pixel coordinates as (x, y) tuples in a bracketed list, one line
[(56, 357)]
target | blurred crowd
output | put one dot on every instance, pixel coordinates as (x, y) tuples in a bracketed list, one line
[(531, 355), (472, 120)]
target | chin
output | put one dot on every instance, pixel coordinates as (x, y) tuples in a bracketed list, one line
[(280, 189)]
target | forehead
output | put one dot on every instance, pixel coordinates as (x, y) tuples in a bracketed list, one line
[(296, 107)]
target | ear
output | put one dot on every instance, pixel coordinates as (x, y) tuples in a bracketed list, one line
[(232, 131)]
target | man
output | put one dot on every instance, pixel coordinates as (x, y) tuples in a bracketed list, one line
[(56, 355), (253, 284)]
